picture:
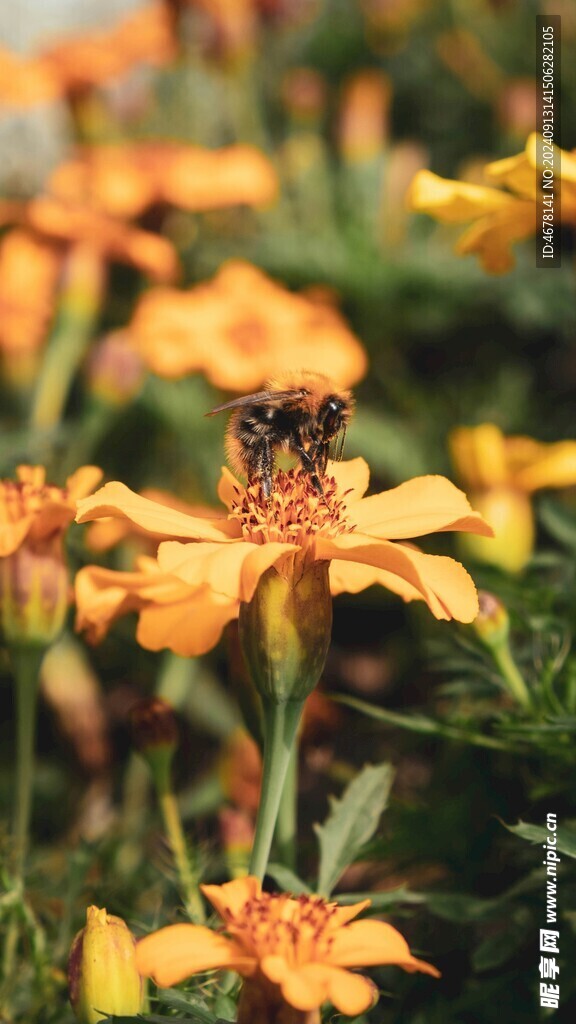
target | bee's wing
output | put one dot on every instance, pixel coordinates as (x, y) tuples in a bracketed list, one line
[(257, 399)]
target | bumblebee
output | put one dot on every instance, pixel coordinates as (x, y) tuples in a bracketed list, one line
[(298, 412)]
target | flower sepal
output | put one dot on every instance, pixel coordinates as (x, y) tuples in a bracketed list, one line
[(285, 632)]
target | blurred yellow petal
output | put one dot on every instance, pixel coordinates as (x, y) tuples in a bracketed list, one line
[(480, 455), (174, 953), (452, 201), (555, 467)]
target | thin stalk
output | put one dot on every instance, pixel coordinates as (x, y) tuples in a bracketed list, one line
[(285, 835), (187, 872), (514, 680), (280, 727)]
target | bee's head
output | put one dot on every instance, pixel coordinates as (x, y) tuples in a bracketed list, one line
[(333, 415)]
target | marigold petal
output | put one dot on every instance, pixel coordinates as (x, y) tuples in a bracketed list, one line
[(12, 534), (303, 987), (452, 201), (115, 499), (229, 488), (426, 504), (231, 569), (441, 581), (230, 898), (352, 477), (369, 943), (352, 577), (188, 627), (83, 481), (308, 986), (174, 953)]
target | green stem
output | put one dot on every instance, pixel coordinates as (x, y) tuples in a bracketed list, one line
[(280, 727), (512, 676), (285, 835), (26, 663), (77, 315), (187, 872)]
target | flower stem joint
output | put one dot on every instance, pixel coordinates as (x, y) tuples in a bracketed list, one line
[(285, 632), (102, 974)]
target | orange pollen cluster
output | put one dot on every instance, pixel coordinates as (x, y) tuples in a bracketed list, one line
[(300, 930), (294, 513)]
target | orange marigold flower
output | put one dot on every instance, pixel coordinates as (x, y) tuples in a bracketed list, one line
[(84, 61), (293, 952), (186, 619), (125, 180), (501, 473), (241, 328), (33, 575), (363, 539), (499, 218)]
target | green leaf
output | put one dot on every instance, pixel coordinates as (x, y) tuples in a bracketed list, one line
[(287, 880), (565, 835), (559, 521), (500, 947), (352, 821)]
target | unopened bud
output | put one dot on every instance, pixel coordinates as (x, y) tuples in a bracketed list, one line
[(34, 593), (492, 623), (102, 975), (285, 632), (115, 370), (155, 736)]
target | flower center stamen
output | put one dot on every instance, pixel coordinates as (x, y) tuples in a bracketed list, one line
[(299, 930), (294, 513)]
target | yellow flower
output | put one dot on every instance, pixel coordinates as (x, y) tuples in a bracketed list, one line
[(363, 539), (242, 328), (292, 952), (499, 218), (124, 180), (501, 473), (34, 586)]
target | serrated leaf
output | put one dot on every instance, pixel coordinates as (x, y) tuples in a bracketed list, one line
[(565, 835), (352, 821)]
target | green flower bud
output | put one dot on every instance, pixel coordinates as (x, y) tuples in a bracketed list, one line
[(102, 975), (285, 632)]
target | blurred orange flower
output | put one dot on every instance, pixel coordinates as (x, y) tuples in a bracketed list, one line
[(84, 61), (362, 538), (171, 614), (33, 575), (291, 952), (241, 328), (499, 217), (501, 473), (124, 180)]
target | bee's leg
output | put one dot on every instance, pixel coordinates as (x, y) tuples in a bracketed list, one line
[(309, 465), (261, 465)]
